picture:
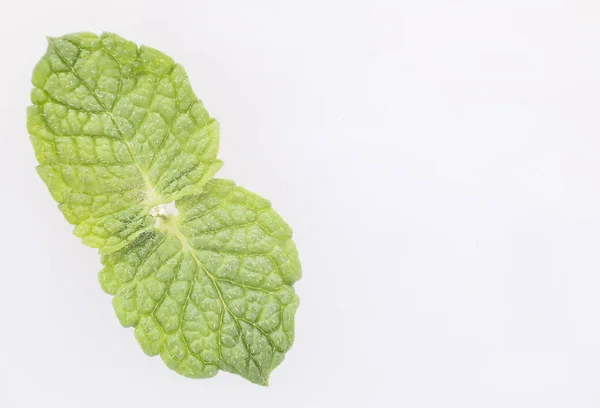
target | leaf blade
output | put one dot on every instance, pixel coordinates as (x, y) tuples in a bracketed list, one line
[(120, 136), (231, 310), (128, 115)]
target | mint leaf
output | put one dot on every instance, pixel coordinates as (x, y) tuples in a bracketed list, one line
[(202, 269), (210, 288), (117, 130)]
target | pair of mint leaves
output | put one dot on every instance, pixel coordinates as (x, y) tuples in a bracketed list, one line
[(202, 269)]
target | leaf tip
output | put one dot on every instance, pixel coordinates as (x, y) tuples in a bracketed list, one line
[(263, 381)]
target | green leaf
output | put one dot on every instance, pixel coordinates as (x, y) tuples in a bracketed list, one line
[(202, 269), (210, 288), (117, 130)]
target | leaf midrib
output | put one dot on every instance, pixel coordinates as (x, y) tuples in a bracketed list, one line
[(148, 186), (187, 247)]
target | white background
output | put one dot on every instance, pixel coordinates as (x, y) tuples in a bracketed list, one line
[(438, 160)]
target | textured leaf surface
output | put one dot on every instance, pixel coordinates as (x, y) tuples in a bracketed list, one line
[(211, 287), (202, 269), (117, 130)]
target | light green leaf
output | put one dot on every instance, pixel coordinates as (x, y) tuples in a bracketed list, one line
[(210, 288), (117, 130), (202, 269)]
